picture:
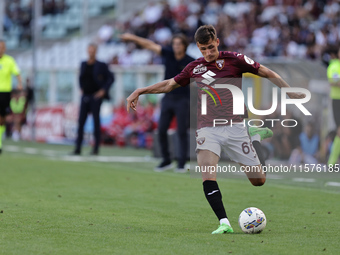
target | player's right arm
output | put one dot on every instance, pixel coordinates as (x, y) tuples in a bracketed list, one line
[(160, 87), (275, 78), (144, 43)]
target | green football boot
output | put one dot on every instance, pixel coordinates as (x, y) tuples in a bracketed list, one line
[(263, 132), (223, 228)]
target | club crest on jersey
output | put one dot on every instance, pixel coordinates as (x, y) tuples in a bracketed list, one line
[(200, 69), (220, 63), (200, 140), (248, 60)]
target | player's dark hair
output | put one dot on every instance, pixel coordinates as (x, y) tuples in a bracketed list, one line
[(205, 33), (183, 39)]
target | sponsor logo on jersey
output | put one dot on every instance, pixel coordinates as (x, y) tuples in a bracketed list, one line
[(248, 60), (200, 140), (219, 63), (200, 69), (208, 79)]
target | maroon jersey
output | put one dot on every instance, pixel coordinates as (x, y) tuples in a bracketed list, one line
[(227, 69)]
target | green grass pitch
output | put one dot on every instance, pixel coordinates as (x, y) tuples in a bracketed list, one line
[(52, 206)]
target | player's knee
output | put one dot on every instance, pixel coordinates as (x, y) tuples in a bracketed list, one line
[(258, 181)]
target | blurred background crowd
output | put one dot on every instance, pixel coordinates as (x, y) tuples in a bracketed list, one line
[(260, 28)]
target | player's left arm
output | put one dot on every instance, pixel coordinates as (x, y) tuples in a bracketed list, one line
[(160, 87), (275, 78)]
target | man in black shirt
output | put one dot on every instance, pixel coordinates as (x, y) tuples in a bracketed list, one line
[(175, 103), (95, 80)]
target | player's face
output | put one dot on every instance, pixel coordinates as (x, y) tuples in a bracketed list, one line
[(178, 46), (209, 50), (91, 50), (2, 48)]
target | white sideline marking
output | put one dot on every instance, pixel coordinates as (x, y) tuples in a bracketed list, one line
[(30, 150), (334, 184), (303, 180), (48, 153), (12, 148), (56, 155), (106, 159)]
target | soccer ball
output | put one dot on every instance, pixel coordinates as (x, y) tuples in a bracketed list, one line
[(252, 220)]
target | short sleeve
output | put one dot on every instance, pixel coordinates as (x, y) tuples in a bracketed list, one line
[(14, 68), (183, 78), (246, 64)]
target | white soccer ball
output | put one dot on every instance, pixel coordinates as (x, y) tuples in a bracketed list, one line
[(252, 220)]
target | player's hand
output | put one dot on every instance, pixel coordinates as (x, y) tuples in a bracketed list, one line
[(100, 94), (294, 95), (126, 37), (20, 86), (132, 101)]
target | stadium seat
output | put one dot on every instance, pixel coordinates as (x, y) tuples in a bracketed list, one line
[(54, 31)]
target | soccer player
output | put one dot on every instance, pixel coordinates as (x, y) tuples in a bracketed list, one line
[(95, 80), (8, 67), (211, 140), (333, 74), (175, 103)]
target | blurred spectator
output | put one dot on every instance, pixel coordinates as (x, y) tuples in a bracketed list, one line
[(295, 29), (8, 68), (326, 146), (175, 103), (126, 58), (29, 92), (308, 150), (53, 6), (152, 13), (333, 74), (286, 139), (134, 129), (105, 33), (18, 106)]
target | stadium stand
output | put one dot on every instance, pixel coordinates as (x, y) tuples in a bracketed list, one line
[(261, 29), (289, 36), (59, 18)]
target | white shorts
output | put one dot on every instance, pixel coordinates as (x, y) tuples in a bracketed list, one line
[(233, 140)]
